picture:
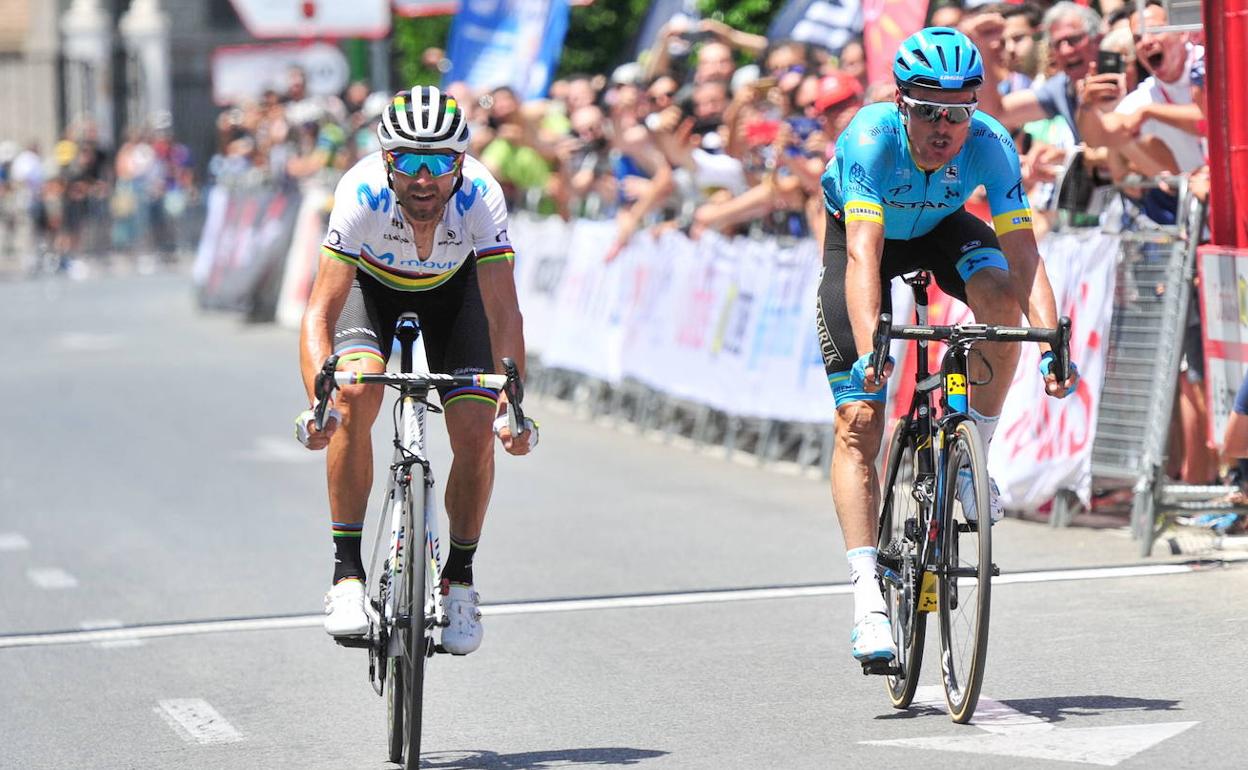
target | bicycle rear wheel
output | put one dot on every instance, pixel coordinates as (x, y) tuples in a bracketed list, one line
[(966, 578), (898, 566)]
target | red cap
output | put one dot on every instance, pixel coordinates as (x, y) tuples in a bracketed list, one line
[(836, 87)]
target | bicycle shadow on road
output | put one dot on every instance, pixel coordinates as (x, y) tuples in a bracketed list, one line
[(537, 760), (1061, 709), (1054, 710)]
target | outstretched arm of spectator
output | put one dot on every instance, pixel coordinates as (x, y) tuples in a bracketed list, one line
[(658, 60), (1185, 117), (744, 41), (638, 144)]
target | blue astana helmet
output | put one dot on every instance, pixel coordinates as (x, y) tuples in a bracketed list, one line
[(941, 58)]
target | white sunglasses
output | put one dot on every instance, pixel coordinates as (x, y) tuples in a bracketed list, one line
[(934, 111)]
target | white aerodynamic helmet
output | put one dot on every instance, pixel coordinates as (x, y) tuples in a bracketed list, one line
[(423, 119)]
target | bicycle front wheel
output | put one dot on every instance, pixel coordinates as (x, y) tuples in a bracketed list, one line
[(898, 556), (966, 574), (414, 634)]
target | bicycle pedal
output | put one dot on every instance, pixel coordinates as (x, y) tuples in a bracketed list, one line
[(358, 642), (880, 667)]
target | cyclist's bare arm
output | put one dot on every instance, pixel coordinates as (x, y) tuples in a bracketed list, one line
[(502, 312), (864, 245), (1032, 287), (329, 294), (1029, 279)]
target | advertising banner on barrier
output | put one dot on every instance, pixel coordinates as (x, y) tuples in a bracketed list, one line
[(1041, 444), (242, 249), (730, 324), (1224, 315)]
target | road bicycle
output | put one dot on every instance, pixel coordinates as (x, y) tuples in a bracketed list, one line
[(930, 557), (403, 605)]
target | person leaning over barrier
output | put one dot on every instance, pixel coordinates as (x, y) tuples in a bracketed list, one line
[(894, 193), (1157, 127)]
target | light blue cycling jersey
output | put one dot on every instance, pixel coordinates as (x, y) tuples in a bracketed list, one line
[(873, 177)]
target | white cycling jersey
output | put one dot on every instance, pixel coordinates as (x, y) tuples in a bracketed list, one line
[(368, 229)]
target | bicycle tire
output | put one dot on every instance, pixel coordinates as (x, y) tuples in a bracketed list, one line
[(909, 626), (394, 708), (965, 596), (414, 639)]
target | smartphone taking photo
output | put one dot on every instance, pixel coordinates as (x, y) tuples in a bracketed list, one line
[(1109, 62)]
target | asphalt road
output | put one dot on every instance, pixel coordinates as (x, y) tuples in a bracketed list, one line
[(148, 477)]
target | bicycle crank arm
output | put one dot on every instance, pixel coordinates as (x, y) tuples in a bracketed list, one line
[(360, 642), (967, 572)]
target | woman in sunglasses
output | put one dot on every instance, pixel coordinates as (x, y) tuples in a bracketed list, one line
[(894, 194), (417, 226)]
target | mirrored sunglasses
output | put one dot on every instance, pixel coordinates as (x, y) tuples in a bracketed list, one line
[(411, 163), (934, 111)]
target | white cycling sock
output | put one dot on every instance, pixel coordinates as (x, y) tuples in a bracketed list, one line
[(987, 426), (867, 597)]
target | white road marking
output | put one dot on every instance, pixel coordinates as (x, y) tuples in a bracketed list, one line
[(95, 625), (51, 578), (13, 541), (276, 449), (554, 605), (87, 342), (196, 721), (1015, 734)]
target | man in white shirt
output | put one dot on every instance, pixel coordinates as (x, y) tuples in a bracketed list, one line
[(1157, 127)]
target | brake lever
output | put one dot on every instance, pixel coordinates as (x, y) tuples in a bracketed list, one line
[(515, 394), (324, 389), (880, 355), (1061, 351)]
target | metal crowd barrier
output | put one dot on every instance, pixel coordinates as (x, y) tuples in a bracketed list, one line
[(1143, 355)]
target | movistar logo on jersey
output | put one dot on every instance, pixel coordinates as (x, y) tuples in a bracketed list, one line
[(430, 265), (375, 200), (467, 196)]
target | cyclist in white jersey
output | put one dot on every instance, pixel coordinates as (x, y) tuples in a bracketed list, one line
[(418, 226)]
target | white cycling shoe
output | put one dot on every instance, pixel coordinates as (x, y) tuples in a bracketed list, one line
[(872, 638), (966, 496), (463, 631), (344, 609)]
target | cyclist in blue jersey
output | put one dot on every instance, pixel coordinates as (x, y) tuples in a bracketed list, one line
[(894, 194), (395, 243)]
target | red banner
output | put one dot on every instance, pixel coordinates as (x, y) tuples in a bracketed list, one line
[(885, 23)]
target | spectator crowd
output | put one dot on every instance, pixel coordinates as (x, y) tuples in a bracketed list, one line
[(81, 200), (711, 129)]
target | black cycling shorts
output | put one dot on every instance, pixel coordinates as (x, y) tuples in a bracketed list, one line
[(452, 324), (957, 248)]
